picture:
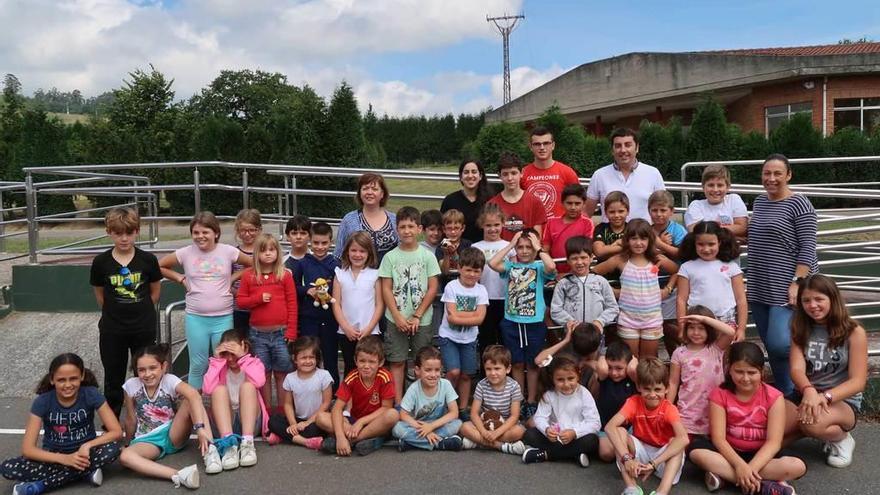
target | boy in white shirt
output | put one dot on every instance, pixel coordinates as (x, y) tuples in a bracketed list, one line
[(719, 206)]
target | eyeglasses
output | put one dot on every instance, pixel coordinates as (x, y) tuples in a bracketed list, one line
[(127, 282), (542, 144), (248, 231)]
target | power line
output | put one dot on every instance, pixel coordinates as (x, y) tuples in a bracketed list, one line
[(505, 25)]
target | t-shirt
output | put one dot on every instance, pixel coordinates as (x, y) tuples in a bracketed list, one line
[(127, 304), (490, 279), (358, 296), (471, 211), (676, 231), (465, 299), (547, 185), (366, 400), (208, 278), (746, 421), (725, 212), (65, 429), (652, 426), (608, 236), (642, 181), (828, 367), (557, 232), (525, 291), (525, 213), (498, 400), (423, 407), (701, 373), (234, 380), (307, 392), (238, 267), (409, 272), (152, 412), (612, 396), (710, 284)]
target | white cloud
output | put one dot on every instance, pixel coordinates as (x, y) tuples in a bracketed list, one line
[(523, 80)]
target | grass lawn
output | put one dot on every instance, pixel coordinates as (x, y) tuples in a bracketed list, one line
[(411, 186), (20, 244)]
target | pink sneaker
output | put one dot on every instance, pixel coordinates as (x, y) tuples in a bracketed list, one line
[(273, 439), (314, 443)]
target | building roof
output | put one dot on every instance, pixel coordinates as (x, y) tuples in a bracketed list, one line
[(805, 51)]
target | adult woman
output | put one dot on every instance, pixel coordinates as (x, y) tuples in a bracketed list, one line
[(470, 198), (371, 217), (782, 252)]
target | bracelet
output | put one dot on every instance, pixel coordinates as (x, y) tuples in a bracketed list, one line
[(198, 426), (653, 466), (626, 458)]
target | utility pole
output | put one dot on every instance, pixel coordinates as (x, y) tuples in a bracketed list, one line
[(505, 25)]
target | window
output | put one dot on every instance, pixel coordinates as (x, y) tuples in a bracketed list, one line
[(775, 116), (861, 113)]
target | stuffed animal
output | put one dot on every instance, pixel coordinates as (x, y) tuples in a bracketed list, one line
[(322, 293), (492, 419)]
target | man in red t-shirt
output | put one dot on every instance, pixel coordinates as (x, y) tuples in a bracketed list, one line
[(521, 209), (545, 178), (370, 391)]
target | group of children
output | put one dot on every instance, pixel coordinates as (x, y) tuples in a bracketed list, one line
[(599, 391)]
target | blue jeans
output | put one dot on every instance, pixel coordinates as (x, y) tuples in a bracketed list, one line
[(269, 346), (406, 433), (773, 324)]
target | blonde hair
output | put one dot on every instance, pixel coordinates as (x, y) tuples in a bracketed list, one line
[(453, 216), (715, 172), (122, 220), (262, 242), (248, 215)]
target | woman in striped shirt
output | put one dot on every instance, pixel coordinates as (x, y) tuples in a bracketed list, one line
[(781, 252)]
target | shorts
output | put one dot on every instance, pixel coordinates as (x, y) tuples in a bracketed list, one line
[(458, 356), (161, 439), (704, 443), (399, 346), (270, 348), (795, 398), (643, 334), (645, 452), (524, 340)]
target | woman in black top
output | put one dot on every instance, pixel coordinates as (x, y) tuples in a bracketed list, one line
[(470, 198)]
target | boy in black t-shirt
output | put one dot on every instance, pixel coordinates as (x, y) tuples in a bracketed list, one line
[(126, 281)]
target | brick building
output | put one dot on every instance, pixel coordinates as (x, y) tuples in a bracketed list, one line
[(839, 85)]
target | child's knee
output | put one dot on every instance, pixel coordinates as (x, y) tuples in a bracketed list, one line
[(391, 416), (794, 468)]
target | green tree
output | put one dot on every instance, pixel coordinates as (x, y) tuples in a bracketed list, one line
[(494, 139), (242, 95), (553, 119), (10, 126)]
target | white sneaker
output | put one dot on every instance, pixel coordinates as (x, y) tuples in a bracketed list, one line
[(247, 453), (713, 481), (840, 454), (212, 461), (96, 477), (584, 460), (468, 444), (515, 448), (188, 477), (230, 458)]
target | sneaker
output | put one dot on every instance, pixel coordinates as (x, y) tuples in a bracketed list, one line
[(212, 460), (513, 448), (464, 415), (328, 445), (840, 453), (468, 444), (247, 454), (273, 439), (632, 490), (96, 477), (314, 443), (230, 459), (776, 488), (402, 446), (713, 481), (533, 455), (29, 488), (369, 445), (584, 460), (450, 443), (188, 477)]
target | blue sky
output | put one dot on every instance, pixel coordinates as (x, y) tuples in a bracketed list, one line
[(402, 56)]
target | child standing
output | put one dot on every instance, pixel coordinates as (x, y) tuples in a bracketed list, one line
[(559, 230), (154, 428), (582, 296), (747, 419), (207, 271), (298, 232), (65, 410), (248, 226), (640, 323), (710, 277), (358, 295), (428, 411), (608, 236), (522, 210), (267, 290), (450, 248), (307, 393), (314, 320), (126, 281), (567, 420), (367, 395), (233, 381), (522, 329), (829, 368), (615, 383), (465, 302), (670, 235), (409, 285), (432, 227), (697, 367), (491, 220), (720, 205), (494, 419), (658, 438)]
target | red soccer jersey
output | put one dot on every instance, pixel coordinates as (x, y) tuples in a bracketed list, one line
[(365, 400), (556, 232), (547, 185), (525, 213)]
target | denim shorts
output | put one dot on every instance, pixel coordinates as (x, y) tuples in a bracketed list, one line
[(523, 340), (458, 356), (270, 347)]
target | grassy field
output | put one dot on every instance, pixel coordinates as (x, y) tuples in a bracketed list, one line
[(431, 187), (20, 244)]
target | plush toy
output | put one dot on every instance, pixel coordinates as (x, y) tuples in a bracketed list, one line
[(492, 419), (322, 293)]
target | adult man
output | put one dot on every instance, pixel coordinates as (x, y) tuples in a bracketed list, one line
[(545, 178), (627, 174)]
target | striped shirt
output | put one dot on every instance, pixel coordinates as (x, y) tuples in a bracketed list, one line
[(640, 299), (782, 235), (498, 400)]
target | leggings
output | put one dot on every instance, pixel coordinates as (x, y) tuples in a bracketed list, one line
[(57, 475), (202, 337), (278, 425), (115, 350), (587, 444)]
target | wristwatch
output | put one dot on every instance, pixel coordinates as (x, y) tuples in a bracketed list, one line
[(828, 396), (198, 426), (797, 280)]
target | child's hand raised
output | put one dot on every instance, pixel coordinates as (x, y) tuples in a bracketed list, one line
[(536, 243)]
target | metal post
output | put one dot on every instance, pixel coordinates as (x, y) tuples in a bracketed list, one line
[(282, 209), (244, 189), (31, 203), (198, 200), (293, 203), (2, 226)]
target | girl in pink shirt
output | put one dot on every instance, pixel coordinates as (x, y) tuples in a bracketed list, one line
[(747, 423)]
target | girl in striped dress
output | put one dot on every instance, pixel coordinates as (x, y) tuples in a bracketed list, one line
[(640, 323)]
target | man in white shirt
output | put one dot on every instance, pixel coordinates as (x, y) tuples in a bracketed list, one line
[(637, 180)]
